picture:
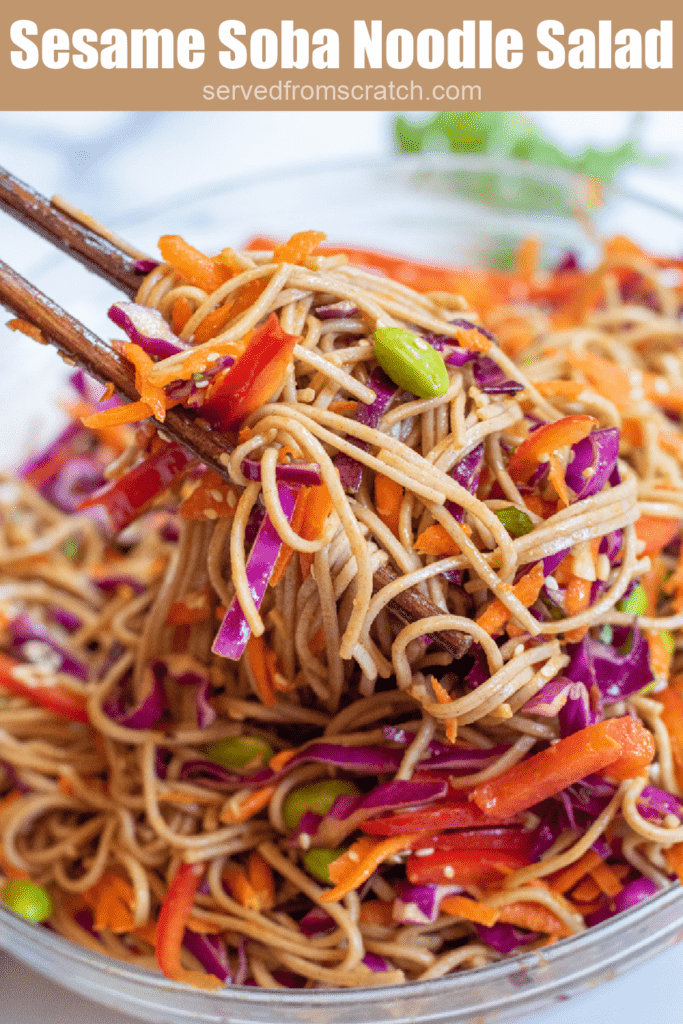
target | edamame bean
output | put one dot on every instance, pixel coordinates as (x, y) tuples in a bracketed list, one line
[(317, 862), (411, 362), (669, 640), (240, 753), (515, 521), (28, 899), (318, 797), (635, 603)]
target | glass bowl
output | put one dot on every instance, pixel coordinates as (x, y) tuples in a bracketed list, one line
[(456, 210)]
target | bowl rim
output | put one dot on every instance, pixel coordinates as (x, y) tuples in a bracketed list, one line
[(448, 984), (410, 162)]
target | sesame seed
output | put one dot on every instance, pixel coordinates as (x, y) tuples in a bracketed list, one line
[(519, 649), (353, 855), (202, 384), (449, 871), (661, 386), (305, 841), (210, 513), (672, 821), (216, 495), (426, 852), (422, 345), (224, 459), (212, 357), (551, 583)]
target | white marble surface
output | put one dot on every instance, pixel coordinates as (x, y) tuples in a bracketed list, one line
[(119, 166)]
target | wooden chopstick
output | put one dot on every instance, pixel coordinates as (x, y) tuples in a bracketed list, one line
[(96, 253), (79, 346), (82, 347)]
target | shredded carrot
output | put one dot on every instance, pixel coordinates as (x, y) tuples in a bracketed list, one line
[(179, 796), (151, 394), (318, 507), (199, 270), (526, 258), (132, 412), (317, 643), (526, 590), (350, 870), (660, 658), (248, 294), (181, 313), (212, 324), (112, 900), (388, 500), (113, 437), (343, 406), (656, 532), (212, 498), (285, 554), (234, 812), (534, 917), (195, 607), (604, 376), (298, 247), (470, 910), (556, 478), (436, 540), (195, 924), (263, 665), (567, 879), (577, 600), (147, 932), (198, 361), (587, 891), (472, 339), (261, 878), (29, 329), (652, 583), (570, 389), (674, 858), (608, 882), (240, 887), (377, 912), (282, 758)]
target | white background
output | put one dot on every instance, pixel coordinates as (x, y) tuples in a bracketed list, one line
[(111, 164)]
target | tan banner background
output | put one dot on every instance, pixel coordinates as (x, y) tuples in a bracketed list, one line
[(213, 87)]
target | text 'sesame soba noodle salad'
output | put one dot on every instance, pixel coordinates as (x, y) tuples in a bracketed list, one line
[(220, 753)]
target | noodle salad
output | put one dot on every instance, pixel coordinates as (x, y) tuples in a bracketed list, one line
[(223, 753)]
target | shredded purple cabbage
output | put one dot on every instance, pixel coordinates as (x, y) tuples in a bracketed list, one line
[(28, 640), (147, 328), (349, 469), (618, 670)]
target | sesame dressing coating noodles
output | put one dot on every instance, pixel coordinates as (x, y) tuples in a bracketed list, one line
[(399, 693)]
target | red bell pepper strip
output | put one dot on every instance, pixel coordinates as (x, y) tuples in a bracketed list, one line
[(252, 379), (546, 440), (120, 502), (173, 917), (637, 747), (442, 815), (463, 867), (593, 749), (513, 840), (56, 699)]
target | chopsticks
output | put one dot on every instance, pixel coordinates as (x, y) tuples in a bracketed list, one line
[(80, 346), (80, 242)]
